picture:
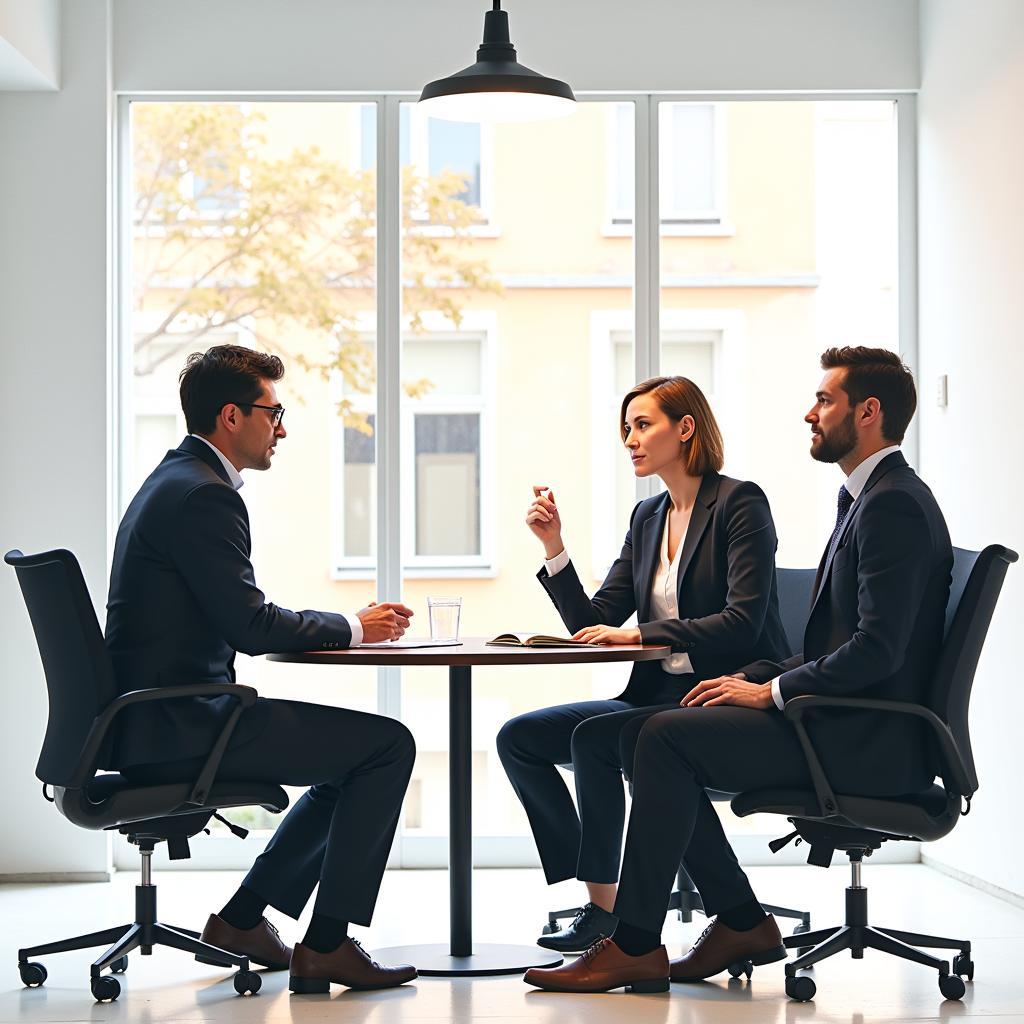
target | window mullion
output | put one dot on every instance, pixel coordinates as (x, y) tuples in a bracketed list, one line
[(389, 356), (646, 251)]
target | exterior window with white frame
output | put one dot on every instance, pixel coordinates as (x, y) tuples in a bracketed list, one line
[(444, 427), (433, 147), (692, 160)]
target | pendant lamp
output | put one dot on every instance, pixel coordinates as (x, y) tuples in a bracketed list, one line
[(497, 87)]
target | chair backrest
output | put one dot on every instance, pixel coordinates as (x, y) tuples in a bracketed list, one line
[(79, 678), (795, 586), (977, 580)]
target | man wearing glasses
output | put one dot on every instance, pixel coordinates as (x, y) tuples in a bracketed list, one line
[(183, 599)]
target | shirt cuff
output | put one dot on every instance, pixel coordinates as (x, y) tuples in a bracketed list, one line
[(558, 563), (356, 626), (777, 694)]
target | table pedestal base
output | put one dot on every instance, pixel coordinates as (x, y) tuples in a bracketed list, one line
[(436, 961)]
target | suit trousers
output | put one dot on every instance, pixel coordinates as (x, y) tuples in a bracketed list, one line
[(678, 755), (584, 736), (339, 832)]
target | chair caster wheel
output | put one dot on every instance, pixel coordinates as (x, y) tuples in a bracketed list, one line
[(32, 974), (105, 989), (963, 965), (801, 989), (741, 967), (951, 986), (247, 983), (119, 966)]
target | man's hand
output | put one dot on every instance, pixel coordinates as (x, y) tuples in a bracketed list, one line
[(386, 621), (732, 690), (608, 635)]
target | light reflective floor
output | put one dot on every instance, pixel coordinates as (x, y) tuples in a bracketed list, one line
[(510, 906)]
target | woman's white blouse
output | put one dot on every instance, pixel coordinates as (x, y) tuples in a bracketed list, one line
[(665, 598), (664, 593)]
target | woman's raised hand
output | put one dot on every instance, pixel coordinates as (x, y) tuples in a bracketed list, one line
[(543, 519)]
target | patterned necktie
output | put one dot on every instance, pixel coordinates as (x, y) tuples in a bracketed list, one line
[(843, 506)]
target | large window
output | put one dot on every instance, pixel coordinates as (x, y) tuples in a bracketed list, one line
[(472, 364)]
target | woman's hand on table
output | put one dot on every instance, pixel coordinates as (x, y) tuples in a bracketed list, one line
[(608, 635)]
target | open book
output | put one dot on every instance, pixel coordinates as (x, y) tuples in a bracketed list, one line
[(539, 640)]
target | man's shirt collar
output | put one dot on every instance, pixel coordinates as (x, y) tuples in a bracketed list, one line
[(859, 477), (233, 475)]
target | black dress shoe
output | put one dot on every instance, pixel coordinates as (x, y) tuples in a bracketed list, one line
[(590, 925)]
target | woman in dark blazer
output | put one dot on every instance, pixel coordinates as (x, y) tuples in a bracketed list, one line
[(698, 568)]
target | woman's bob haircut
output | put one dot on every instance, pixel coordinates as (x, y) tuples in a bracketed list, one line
[(678, 397)]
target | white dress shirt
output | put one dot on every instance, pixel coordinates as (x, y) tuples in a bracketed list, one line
[(354, 624), (664, 594), (854, 484)]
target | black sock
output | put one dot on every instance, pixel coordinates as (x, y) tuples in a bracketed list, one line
[(744, 917), (244, 909), (325, 934), (635, 941)]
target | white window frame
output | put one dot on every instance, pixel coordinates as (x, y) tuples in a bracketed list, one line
[(728, 355), (476, 324), (705, 223)]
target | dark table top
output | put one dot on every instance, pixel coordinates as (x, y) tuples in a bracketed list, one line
[(474, 651)]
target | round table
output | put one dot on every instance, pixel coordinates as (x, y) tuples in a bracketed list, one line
[(460, 956)]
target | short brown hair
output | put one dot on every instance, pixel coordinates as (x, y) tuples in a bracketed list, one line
[(220, 376), (877, 373), (678, 397)]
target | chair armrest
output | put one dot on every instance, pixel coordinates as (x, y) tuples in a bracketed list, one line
[(244, 695), (796, 707)]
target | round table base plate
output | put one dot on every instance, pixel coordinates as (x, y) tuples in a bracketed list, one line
[(435, 960)]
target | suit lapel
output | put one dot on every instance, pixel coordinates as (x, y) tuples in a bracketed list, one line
[(650, 555), (699, 519), (889, 463)]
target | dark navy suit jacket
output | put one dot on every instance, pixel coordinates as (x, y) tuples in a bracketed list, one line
[(874, 631), (183, 599), (728, 601)]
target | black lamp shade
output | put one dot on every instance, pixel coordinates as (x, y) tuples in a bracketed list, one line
[(497, 87)]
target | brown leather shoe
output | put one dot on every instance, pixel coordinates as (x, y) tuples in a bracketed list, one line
[(349, 965), (262, 944), (719, 946), (603, 967)]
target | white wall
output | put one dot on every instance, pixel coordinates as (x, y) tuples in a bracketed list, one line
[(358, 45), (29, 44), (53, 314), (53, 220), (971, 216)]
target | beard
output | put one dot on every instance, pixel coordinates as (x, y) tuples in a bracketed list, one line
[(837, 443)]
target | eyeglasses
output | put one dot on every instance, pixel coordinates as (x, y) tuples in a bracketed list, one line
[(277, 410)]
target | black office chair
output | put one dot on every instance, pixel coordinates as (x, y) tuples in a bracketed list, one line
[(83, 703), (794, 589), (858, 825)]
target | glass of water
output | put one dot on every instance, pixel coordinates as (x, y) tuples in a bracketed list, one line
[(444, 615)]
